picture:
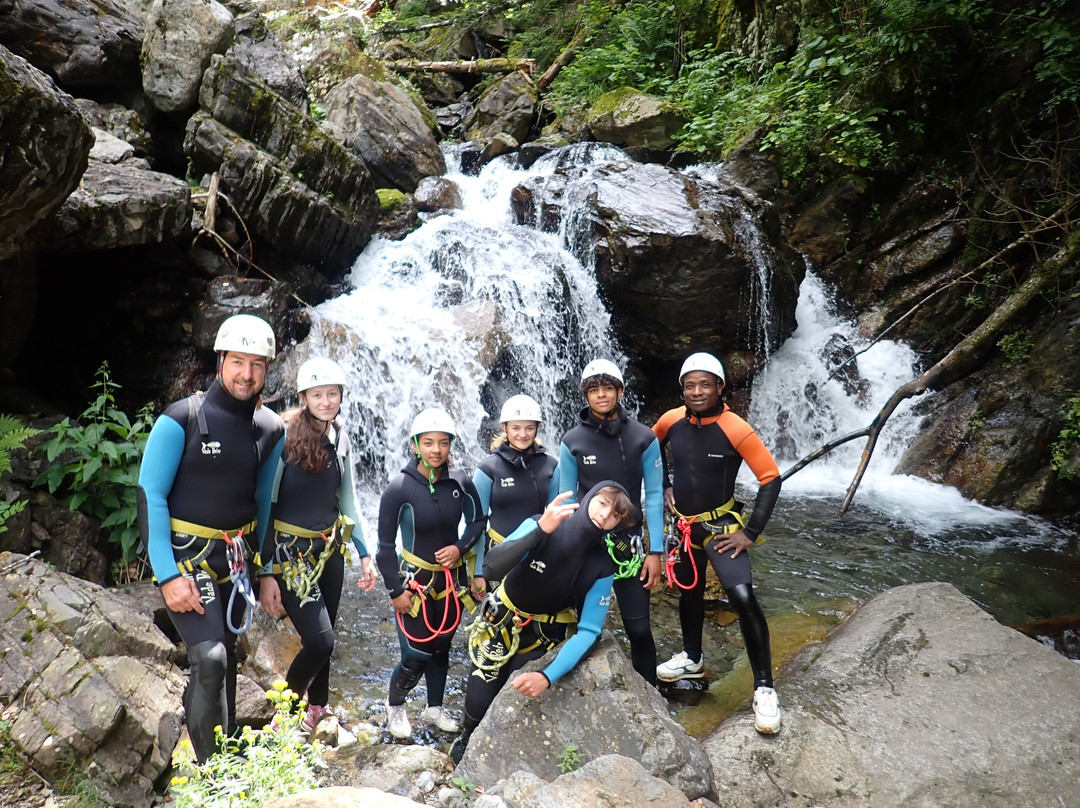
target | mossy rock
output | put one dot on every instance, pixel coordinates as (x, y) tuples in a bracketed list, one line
[(390, 199)]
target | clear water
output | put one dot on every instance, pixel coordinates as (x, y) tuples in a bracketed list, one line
[(472, 308)]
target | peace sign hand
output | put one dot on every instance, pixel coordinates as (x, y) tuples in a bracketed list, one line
[(557, 512)]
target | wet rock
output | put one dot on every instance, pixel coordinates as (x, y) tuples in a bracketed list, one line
[(80, 42), (507, 106), (181, 38), (532, 151), (398, 214), (602, 708), (109, 148), (612, 780), (989, 434), (388, 767), (121, 205), (291, 181), (341, 797), (629, 117), (683, 262), (229, 295), (68, 539), (120, 122), (892, 710), (499, 145), (260, 53), (383, 126), (92, 678), (34, 182), (437, 193)]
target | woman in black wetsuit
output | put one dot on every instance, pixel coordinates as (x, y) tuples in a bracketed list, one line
[(518, 479), (427, 579), (313, 514)]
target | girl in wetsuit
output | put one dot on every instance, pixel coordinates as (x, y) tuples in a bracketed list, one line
[(566, 581), (518, 479), (313, 514), (426, 579)]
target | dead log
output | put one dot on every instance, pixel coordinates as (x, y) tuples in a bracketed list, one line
[(564, 59), (464, 66)]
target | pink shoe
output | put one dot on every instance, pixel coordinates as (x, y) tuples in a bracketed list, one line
[(315, 714)]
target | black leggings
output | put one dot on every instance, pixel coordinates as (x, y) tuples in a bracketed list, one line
[(423, 654), (210, 699), (633, 599), (314, 619), (484, 686), (736, 578)]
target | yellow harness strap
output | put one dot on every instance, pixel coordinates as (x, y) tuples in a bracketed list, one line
[(495, 536), (716, 513), (565, 616), (179, 526), (468, 561)]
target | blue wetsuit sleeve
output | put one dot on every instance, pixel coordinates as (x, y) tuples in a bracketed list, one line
[(264, 486), (265, 530), (553, 484), (161, 459), (475, 518), (348, 507), (482, 482), (502, 558), (568, 475), (593, 614), (652, 471)]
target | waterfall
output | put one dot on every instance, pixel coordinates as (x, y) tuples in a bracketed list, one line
[(801, 401), (464, 312)]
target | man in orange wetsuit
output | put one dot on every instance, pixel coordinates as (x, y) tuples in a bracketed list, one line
[(707, 443)]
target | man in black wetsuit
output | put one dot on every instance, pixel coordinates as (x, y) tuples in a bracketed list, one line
[(204, 485), (608, 444)]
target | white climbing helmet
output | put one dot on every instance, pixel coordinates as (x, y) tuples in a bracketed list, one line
[(433, 419), (318, 371), (703, 361), (246, 333), (520, 408), (602, 367)]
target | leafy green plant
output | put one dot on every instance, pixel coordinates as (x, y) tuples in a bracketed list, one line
[(102, 475), (570, 759), (13, 434), (463, 785), (259, 766), (1016, 347), (1067, 440)]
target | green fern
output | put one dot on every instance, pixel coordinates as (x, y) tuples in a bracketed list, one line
[(13, 434)]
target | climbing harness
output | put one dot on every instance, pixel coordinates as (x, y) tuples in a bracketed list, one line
[(422, 594), (628, 567), (188, 534), (494, 637), (679, 537), (293, 553)]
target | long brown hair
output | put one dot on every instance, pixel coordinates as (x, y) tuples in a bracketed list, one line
[(304, 440)]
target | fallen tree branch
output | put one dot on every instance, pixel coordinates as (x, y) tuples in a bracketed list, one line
[(948, 368), (503, 65), (562, 61)]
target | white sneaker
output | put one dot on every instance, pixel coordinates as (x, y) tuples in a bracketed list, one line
[(679, 667), (397, 721), (766, 711), (442, 718)]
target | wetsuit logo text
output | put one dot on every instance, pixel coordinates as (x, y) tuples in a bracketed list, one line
[(588, 460), (506, 482), (538, 565), (211, 448)]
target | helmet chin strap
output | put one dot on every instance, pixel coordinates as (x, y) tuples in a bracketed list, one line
[(432, 476)]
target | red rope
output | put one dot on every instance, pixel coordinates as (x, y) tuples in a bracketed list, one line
[(451, 593), (683, 546)]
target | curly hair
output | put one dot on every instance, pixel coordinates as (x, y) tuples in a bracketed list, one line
[(304, 440), (599, 380)]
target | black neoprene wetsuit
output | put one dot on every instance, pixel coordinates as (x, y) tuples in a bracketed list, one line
[(221, 481), (427, 522), (313, 502), (513, 486), (706, 452), (624, 450), (545, 574)]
